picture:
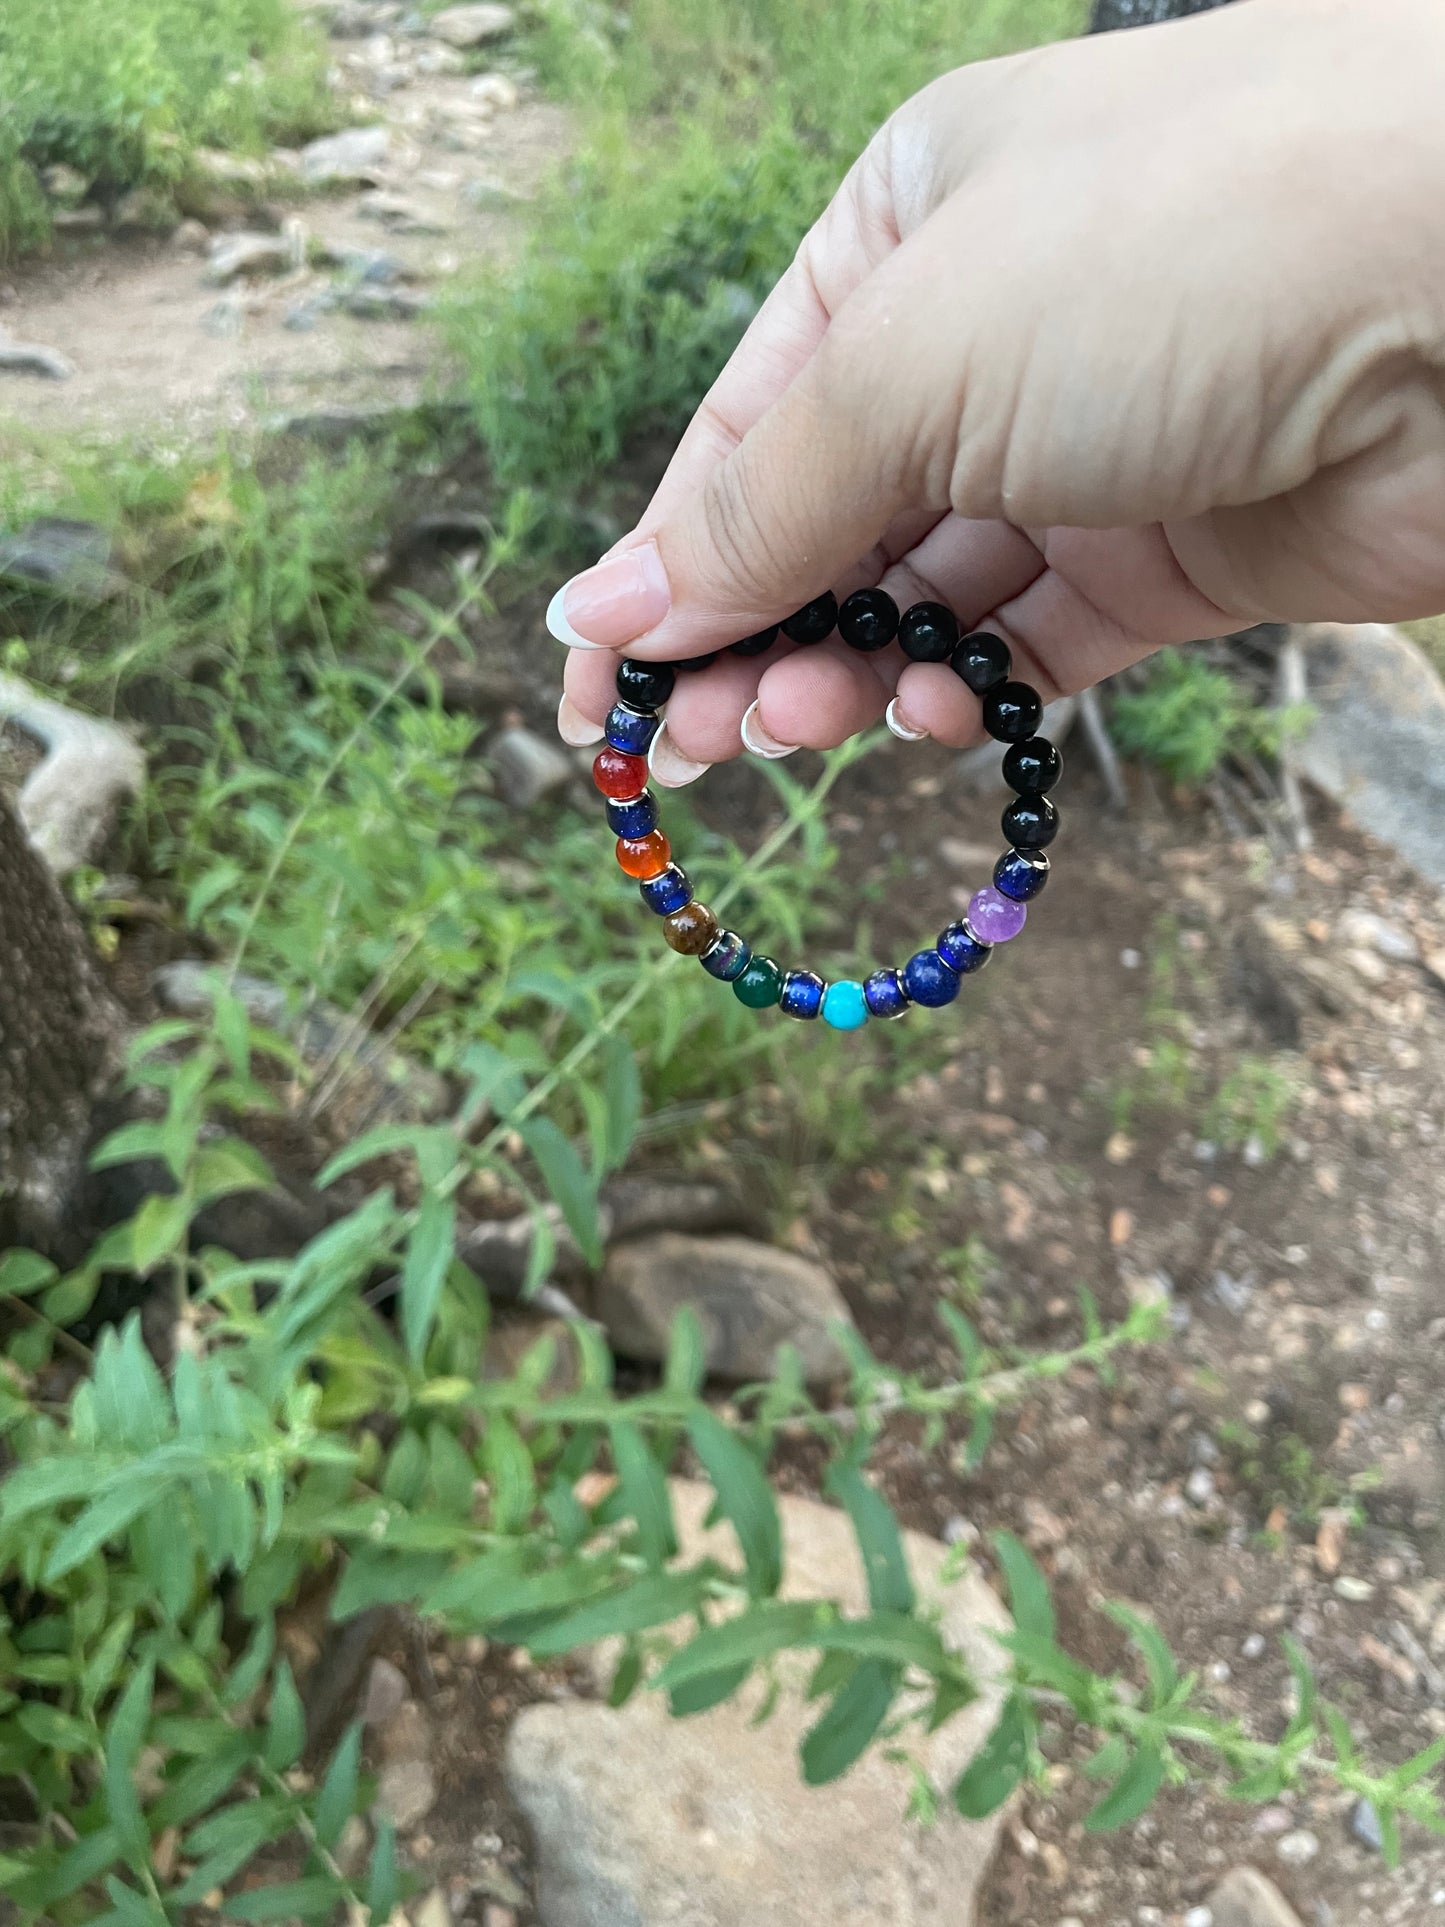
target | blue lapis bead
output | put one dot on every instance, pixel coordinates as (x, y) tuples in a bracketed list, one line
[(629, 730), (636, 817), (802, 994), (666, 893), (1021, 874), (728, 957), (961, 950), (884, 994), (929, 980)]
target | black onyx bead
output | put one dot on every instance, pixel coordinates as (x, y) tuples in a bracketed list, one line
[(1030, 823), (646, 685), (928, 632), (814, 620), (868, 620), (1033, 766), (982, 661), (755, 645), (686, 664), (1012, 712)]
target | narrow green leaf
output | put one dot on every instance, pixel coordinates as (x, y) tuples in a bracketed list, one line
[(286, 1727), (857, 1711), (337, 1800), (24, 1272), (106, 1516), (313, 1898), (568, 1181), (1130, 1793), (49, 1726), (158, 1229), (622, 1099), (1152, 1646), (764, 1629), (746, 1499), (707, 1690), (643, 1490), (428, 1259), (383, 1887), (123, 1742), (650, 1601), (510, 1473), (998, 1766), (686, 1354), (890, 1589), (1028, 1591)]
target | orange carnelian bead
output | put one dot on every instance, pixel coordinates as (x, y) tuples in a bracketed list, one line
[(618, 775), (690, 929), (644, 856)]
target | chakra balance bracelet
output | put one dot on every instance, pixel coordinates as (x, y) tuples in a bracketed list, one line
[(868, 620)]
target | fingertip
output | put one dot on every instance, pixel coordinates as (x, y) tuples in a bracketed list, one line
[(933, 699)]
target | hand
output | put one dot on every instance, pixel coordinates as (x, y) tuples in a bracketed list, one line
[(1119, 343)]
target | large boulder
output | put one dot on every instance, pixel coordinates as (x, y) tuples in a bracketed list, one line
[(1376, 738), (749, 1297), (642, 1820)]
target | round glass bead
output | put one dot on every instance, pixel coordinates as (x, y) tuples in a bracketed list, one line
[(929, 980), (621, 777), (727, 957), (868, 620), (646, 685), (688, 663), (630, 729), (755, 645), (844, 1006), (666, 893), (961, 950), (814, 621), (759, 984), (635, 818), (1012, 712), (982, 660), (802, 993), (995, 917), (928, 632), (1021, 874), (644, 857), (690, 930), (1032, 766), (1030, 823), (884, 994)]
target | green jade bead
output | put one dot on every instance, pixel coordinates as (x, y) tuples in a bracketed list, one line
[(844, 1007), (759, 984)]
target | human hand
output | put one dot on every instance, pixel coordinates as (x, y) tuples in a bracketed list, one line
[(1118, 343)]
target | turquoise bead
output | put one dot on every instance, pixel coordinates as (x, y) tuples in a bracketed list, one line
[(844, 1007)]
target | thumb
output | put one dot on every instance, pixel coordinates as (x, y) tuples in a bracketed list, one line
[(794, 505)]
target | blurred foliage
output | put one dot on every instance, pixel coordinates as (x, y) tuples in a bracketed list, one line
[(124, 91)]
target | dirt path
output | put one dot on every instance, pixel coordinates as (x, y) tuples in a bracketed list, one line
[(158, 348)]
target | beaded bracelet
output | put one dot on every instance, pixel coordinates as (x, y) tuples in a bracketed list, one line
[(868, 620)]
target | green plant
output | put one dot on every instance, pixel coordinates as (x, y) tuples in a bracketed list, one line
[(1253, 1104), (1189, 717)]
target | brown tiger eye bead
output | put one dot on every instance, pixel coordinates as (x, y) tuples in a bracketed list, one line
[(691, 929)]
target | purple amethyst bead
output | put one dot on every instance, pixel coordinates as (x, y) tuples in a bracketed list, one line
[(994, 917)]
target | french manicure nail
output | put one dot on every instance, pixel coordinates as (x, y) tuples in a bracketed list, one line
[(614, 602), (759, 741), (905, 732), (671, 770), (575, 728)]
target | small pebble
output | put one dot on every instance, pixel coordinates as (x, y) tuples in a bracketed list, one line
[(1199, 1917), (1365, 1825), (1298, 1847), (1253, 1646), (1199, 1486), (1130, 959)]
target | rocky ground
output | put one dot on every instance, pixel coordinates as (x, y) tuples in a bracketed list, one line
[(298, 284)]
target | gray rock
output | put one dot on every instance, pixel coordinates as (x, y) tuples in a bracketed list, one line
[(526, 767), (645, 1204), (1392, 940), (499, 1251), (405, 1793), (473, 26), (1244, 1898), (491, 196), (749, 1297), (1376, 742), (91, 768), (30, 358), (370, 303), (353, 155), (234, 255), (394, 211), (1298, 1847), (386, 1692), (982, 767), (642, 1820), (69, 558), (1365, 1826)]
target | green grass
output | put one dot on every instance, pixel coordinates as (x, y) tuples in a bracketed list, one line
[(124, 90), (712, 135)]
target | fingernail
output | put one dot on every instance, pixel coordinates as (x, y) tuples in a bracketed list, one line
[(617, 600), (757, 739), (670, 768), (904, 731), (575, 728)]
